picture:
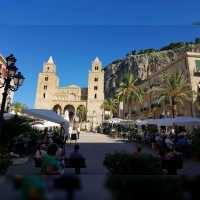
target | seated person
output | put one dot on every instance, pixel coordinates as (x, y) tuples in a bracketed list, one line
[(169, 143), (172, 161), (138, 151), (50, 165), (75, 154), (77, 159), (182, 140), (40, 152), (59, 153)]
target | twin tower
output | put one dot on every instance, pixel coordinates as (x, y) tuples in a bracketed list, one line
[(69, 100)]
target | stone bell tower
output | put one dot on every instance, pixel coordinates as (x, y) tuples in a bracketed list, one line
[(47, 84), (95, 94)]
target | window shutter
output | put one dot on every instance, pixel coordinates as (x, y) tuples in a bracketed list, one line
[(198, 65)]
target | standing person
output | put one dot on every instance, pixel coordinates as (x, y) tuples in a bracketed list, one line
[(78, 132), (63, 134), (145, 135), (70, 131)]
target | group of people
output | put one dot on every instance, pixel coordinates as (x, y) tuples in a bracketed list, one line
[(50, 154), (170, 147), (168, 139)]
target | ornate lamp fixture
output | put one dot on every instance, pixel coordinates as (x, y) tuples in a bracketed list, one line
[(11, 81)]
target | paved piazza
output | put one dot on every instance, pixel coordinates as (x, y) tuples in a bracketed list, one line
[(93, 146)]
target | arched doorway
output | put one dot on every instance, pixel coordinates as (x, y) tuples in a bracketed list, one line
[(57, 108), (69, 112)]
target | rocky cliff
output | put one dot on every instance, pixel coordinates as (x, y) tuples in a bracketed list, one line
[(144, 63)]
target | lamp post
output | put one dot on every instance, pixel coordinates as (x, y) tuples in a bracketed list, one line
[(11, 82)]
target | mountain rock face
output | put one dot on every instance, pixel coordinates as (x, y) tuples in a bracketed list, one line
[(142, 65)]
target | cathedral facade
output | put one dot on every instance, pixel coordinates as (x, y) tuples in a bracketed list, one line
[(67, 100)]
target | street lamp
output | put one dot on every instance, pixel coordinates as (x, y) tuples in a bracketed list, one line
[(11, 82)]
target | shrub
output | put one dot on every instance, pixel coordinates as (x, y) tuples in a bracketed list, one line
[(144, 187), (83, 129), (152, 129), (124, 163), (106, 130), (4, 159)]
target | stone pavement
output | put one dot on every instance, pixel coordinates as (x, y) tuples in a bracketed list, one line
[(94, 147)]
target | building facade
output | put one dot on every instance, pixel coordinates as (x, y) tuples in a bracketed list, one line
[(66, 100), (189, 66), (9, 101), (149, 75)]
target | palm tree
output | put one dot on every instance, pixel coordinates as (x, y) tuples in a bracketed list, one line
[(140, 97), (110, 105), (81, 113), (174, 89), (127, 89)]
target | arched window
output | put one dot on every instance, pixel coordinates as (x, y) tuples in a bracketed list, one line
[(44, 95), (45, 87), (95, 87), (95, 96), (46, 78), (95, 79), (96, 68)]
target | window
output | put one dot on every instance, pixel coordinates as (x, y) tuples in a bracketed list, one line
[(198, 65), (95, 96), (46, 78), (95, 79), (95, 87), (47, 68), (45, 87), (96, 68), (44, 95)]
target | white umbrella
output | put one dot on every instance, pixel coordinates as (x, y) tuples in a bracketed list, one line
[(183, 120), (186, 120), (45, 124), (115, 120), (139, 122), (150, 121), (165, 122), (48, 115), (8, 115)]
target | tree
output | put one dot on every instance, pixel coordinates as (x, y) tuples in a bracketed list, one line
[(18, 107), (140, 97), (81, 113), (174, 89), (127, 90), (197, 40), (14, 127), (110, 105)]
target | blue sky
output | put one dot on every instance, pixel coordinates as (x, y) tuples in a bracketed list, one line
[(76, 31)]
